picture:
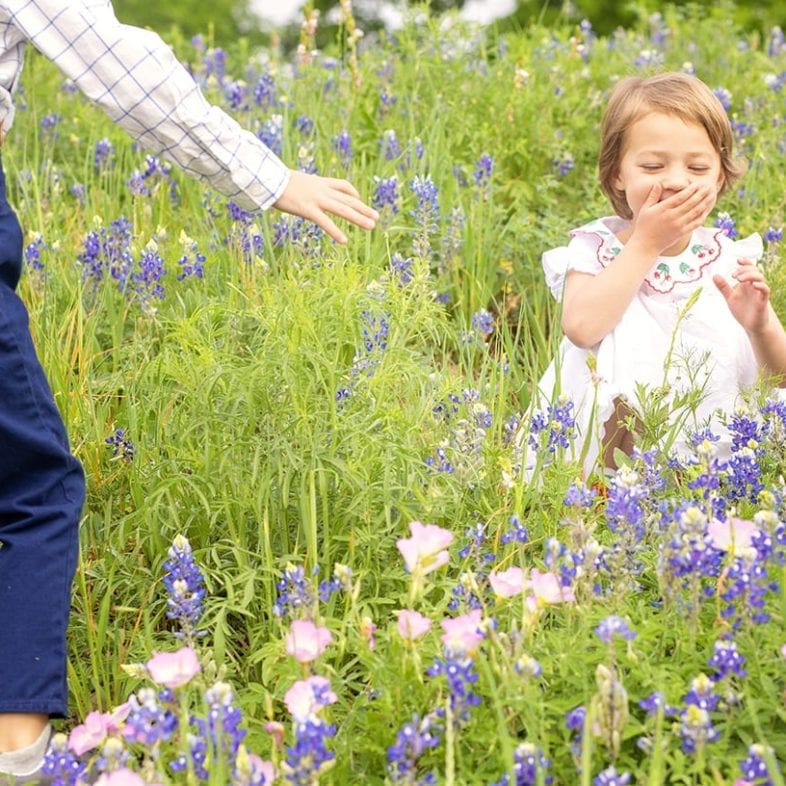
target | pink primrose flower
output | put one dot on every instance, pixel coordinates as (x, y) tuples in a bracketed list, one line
[(263, 768), (507, 583), (121, 777), (733, 535), (412, 624), (426, 549), (307, 641), (546, 589), (462, 634), (90, 734), (783, 650), (173, 669), (307, 697)]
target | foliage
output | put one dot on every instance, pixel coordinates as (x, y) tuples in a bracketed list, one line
[(291, 407)]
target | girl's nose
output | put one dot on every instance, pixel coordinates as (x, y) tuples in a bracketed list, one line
[(675, 181)]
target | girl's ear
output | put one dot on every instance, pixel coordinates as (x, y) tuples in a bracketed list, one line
[(721, 182), (618, 183)]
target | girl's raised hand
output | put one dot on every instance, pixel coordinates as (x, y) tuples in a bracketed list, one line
[(664, 222), (749, 299)]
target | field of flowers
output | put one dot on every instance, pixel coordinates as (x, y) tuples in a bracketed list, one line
[(310, 553)]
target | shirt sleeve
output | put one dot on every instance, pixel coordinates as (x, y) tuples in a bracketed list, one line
[(750, 247), (580, 254), (137, 80)]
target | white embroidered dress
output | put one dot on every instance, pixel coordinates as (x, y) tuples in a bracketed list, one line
[(652, 344)]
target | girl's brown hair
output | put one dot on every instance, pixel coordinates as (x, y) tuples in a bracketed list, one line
[(671, 93)]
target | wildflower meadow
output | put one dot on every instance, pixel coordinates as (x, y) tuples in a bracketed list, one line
[(316, 549)]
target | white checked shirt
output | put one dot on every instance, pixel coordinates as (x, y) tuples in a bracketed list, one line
[(136, 79)]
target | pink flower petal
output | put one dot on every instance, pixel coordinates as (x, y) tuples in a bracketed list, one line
[(507, 583), (412, 624), (307, 641), (173, 669), (426, 549), (462, 634), (733, 535)]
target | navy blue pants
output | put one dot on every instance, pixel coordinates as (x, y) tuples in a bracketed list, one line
[(41, 497)]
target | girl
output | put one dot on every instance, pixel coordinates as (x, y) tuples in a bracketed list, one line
[(654, 302)]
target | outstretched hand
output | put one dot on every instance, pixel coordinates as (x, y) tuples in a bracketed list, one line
[(749, 300), (312, 197)]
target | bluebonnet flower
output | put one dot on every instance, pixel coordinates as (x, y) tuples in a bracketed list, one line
[(342, 144), (530, 767), (426, 212), (304, 124), (77, 191), (702, 694), (579, 495), (309, 754), (103, 156), (747, 585), (236, 93), (108, 251), (302, 234), (215, 63), (265, 92), (49, 122), (122, 447), (726, 659), (724, 96), (612, 627), (772, 236), (192, 262), (148, 722), (574, 723), (453, 239), (726, 224), (754, 767), (272, 134), (61, 764), (439, 461), (186, 588), (655, 702), (136, 185), (402, 268), (516, 533), (610, 777), (556, 423), (389, 145), (296, 595), (413, 739), (386, 197), (648, 58), (460, 175), (459, 672), (32, 252), (483, 322), (696, 729), (484, 167), (564, 163), (776, 44), (147, 279), (217, 736)]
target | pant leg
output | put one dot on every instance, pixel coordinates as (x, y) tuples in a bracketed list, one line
[(41, 498)]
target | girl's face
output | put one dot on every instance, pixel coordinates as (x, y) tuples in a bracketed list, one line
[(664, 148)]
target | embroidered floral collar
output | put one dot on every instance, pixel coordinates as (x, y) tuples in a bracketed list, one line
[(667, 272)]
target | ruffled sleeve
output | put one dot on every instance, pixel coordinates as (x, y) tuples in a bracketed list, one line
[(750, 247), (590, 249)]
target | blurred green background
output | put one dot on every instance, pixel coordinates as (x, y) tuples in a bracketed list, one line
[(228, 20)]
